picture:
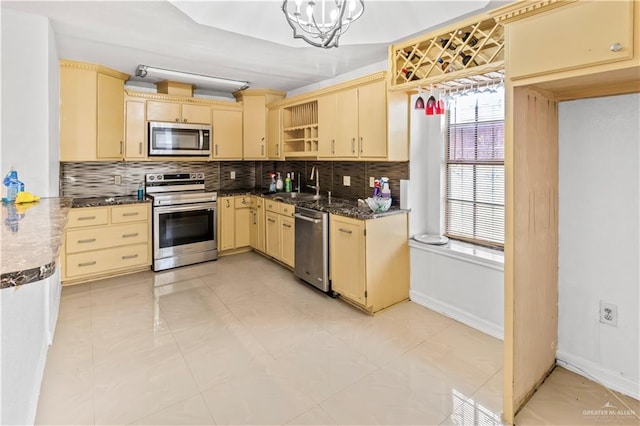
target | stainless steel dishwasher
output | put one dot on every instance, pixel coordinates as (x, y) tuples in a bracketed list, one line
[(312, 247)]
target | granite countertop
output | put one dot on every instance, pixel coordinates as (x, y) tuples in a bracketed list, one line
[(31, 239), (107, 201)]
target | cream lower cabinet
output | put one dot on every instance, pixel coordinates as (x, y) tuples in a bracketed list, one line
[(103, 241), (233, 222), (369, 260), (280, 231), (257, 224)]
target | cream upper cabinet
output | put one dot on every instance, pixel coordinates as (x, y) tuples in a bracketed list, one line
[(91, 112), (254, 126), (254, 121), (178, 112), (352, 123), (227, 134), (370, 260), (274, 136), (134, 130), (577, 35)]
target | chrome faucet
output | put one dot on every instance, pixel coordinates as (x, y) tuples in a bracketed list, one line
[(315, 172)]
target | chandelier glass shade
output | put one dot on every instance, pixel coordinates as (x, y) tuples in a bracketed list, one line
[(321, 22)]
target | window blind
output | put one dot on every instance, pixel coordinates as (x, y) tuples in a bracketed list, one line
[(475, 168)]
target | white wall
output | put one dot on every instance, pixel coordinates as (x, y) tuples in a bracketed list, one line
[(599, 238), (30, 142), (29, 102), (465, 288)]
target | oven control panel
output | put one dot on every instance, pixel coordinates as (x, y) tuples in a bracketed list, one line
[(174, 177)]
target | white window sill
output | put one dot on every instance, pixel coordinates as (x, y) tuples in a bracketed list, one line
[(484, 256)]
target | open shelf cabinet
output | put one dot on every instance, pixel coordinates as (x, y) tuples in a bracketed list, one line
[(300, 130)]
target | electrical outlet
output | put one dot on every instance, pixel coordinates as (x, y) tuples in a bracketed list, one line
[(117, 180), (608, 314), (346, 180), (233, 175), (372, 181)]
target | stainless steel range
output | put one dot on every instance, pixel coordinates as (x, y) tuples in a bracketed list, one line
[(184, 220)]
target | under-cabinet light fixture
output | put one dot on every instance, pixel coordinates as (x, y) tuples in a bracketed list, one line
[(200, 81)]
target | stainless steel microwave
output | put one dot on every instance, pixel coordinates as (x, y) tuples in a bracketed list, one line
[(179, 139)]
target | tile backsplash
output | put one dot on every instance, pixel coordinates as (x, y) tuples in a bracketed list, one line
[(96, 179)]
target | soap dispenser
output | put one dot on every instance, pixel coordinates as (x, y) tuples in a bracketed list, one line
[(279, 183)]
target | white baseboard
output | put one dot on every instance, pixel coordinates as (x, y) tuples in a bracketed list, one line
[(457, 314), (597, 373)]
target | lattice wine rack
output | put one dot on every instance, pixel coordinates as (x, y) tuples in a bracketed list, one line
[(469, 48)]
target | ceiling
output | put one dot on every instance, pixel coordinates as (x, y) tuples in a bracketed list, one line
[(244, 40)]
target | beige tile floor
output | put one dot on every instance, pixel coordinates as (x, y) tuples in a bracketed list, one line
[(241, 341)]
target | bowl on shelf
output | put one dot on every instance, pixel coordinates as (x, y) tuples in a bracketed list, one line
[(379, 205)]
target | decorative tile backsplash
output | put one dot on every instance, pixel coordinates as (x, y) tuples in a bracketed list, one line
[(96, 179)]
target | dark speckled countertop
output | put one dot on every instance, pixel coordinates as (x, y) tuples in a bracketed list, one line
[(337, 206), (107, 201), (31, 239)]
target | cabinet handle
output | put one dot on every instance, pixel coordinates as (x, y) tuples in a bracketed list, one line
[(140, 148), (216, 149), (121, 147), (255, 218), (86, 218), (271, 220), (286, 225), (262, 148), (135, 234), (277, 150), (131, 256), (177, 119), (346, 231), (184, 120), (228, 204), (616, 47), (353, 145), (88, 240), (361, 146), (333, 146), (86, 264), (130, 214)]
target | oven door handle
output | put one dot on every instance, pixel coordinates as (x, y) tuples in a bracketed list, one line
[(188, 208)]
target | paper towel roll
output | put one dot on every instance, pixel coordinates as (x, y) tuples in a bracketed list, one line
[(404, 194)]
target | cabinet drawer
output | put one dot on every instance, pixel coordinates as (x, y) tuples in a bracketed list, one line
[(287, 209), (129, 213), (569, 37), (98, 261), (272, 206), (99, 238), (79, 218), (242, 201)]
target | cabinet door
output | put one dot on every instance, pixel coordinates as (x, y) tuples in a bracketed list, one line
[(135, 142), (227, 134), (260, 226), (163, 111), (327, 125), (346, 122), (287, 240), (570, 37), (110, 117), (347, 252), (227, 227), (272, 234), (78, 114), (197, 114), (274, 139), (254, 127), (242, 220), (372, 120)]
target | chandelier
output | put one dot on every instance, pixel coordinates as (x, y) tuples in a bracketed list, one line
[(321, 22)]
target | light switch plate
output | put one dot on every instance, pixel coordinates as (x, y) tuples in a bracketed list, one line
[(372, 181), (233, 175), (117, 180), (346, 180)]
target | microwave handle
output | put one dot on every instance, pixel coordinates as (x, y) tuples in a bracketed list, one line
[(201, 132)]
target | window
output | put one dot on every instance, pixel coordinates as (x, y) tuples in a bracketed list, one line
[(475, 168)]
